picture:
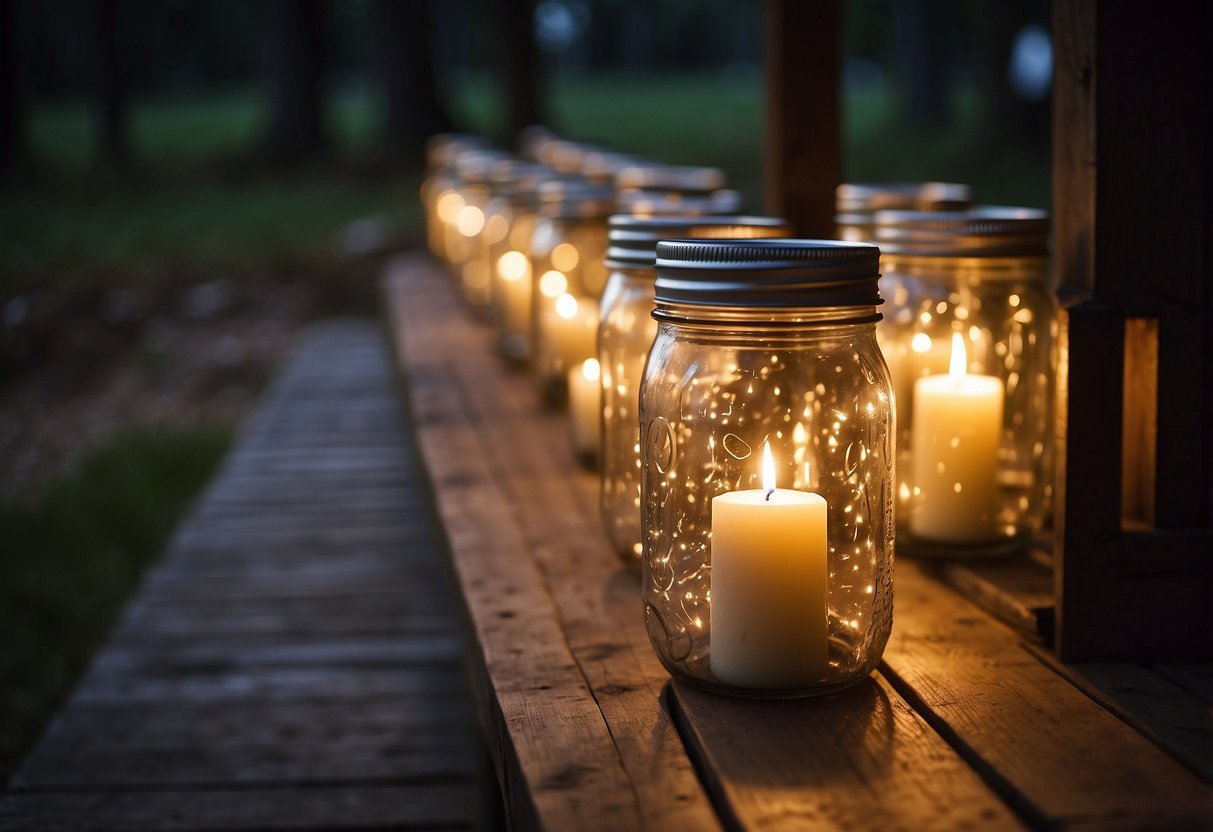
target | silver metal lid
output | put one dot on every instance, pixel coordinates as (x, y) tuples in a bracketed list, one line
[(683, 178), (442, 148), (633, 240), (576, 198), (865, 197), (768, 273), (476, 166), (984, 231), (663, 203)]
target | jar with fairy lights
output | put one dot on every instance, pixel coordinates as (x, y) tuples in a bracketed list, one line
[(625, 333), (568, 272), (767, 443), (970, 335), (655, 189), (504, 246), (439, 198), (856, 203)]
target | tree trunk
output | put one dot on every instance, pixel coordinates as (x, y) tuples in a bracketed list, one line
[(293, 44), (518, 60), (12, 107), (403, 36), (113, 139)]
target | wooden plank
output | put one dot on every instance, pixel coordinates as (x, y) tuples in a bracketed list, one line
[(863, 760), (453, 379), (1194, 677), (1016, 589), (307, 744), (295, 661), (1164, 713), (803, 158), (389, 806), (1052, 752)]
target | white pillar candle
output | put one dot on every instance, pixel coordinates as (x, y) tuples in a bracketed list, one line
[(514, 271), (954, 450), (769, 627), (571, 327), (585, 408)]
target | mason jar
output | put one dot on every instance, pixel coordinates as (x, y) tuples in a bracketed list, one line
[(767, 434), (462, 240), (567, 253), (438, 196), (970, 335), (509, 258), (856, 204), (626, 330)]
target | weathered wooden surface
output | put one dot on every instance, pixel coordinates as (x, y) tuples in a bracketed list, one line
[(295, 659), (569, 683), (963, 727), (1054, 753)]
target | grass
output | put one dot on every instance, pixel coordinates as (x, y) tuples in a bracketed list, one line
[(74, 549)]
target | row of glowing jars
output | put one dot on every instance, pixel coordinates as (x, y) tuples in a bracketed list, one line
[(969, 336)]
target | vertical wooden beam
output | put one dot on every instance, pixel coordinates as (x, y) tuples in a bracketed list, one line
[(1133, 215), (803, 161)]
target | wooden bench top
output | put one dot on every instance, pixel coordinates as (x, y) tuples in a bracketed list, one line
[(966, 724)]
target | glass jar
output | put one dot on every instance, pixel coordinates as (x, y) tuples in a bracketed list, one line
[(626, 330), (438, 195), (767, 346), (567, 253), (858, 203), (971, 308), (509, 260), (466, 213)]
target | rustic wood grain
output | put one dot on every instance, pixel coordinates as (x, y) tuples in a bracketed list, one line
[(454, 378), (861, 759), (1165, 713), (1055, 754), (295, 661)]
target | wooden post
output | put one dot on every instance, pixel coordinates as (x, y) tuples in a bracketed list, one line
[(1133, 216), (803, 161)]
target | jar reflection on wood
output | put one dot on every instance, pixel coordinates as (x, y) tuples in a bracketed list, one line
[(856, 204), (767, 342), (625, 333), (968, 297), (567, 263)]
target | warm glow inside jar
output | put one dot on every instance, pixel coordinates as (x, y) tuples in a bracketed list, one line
[(970, 335), (767, 345), (857, 203), (568, 248), (625, 333), (502, 247), (438, 196), (467, 220)]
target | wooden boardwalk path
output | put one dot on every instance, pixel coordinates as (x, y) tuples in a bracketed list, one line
[(294, 662)]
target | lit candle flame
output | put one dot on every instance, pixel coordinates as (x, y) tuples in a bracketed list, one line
[(768, 470), (960, 361)]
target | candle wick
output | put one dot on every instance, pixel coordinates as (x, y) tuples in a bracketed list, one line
[(769, 493)]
